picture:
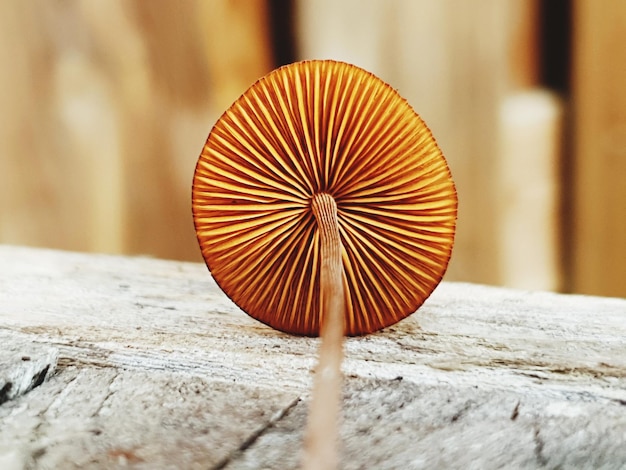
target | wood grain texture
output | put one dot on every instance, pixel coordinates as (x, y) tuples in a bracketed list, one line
[(158, 368)]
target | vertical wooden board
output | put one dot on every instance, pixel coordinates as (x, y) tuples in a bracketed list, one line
[(62, 147), (528, 204), (599, 219), (104, 112), (476, 35), (155, 65), (191, 59), (523, 43), (449, 60), (42, 197), (238, 52)]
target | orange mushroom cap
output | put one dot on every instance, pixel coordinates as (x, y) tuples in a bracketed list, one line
[(324, 127)]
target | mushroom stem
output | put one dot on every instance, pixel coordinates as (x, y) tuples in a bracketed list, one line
[(322, 433)]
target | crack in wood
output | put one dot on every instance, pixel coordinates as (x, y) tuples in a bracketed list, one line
[(109, 394), (539, 445), (4, 392), (252, 438), (39, 377), (24, 365), (515, 413), (40, 429), (462, 411)]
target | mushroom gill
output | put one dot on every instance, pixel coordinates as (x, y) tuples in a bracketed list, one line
[(313, 128)]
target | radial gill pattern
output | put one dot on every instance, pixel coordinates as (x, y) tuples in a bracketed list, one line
[(323, 127)]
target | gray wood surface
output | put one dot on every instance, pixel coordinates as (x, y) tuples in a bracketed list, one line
[(23, 365), (157, 368)]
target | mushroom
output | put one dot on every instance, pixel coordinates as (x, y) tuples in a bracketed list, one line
[(323, 206)]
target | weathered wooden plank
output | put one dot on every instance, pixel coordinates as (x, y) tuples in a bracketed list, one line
[(104, 418), (399, 424), (158, 369)]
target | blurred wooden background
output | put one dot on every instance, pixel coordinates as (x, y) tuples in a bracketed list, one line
[(104, 107)]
